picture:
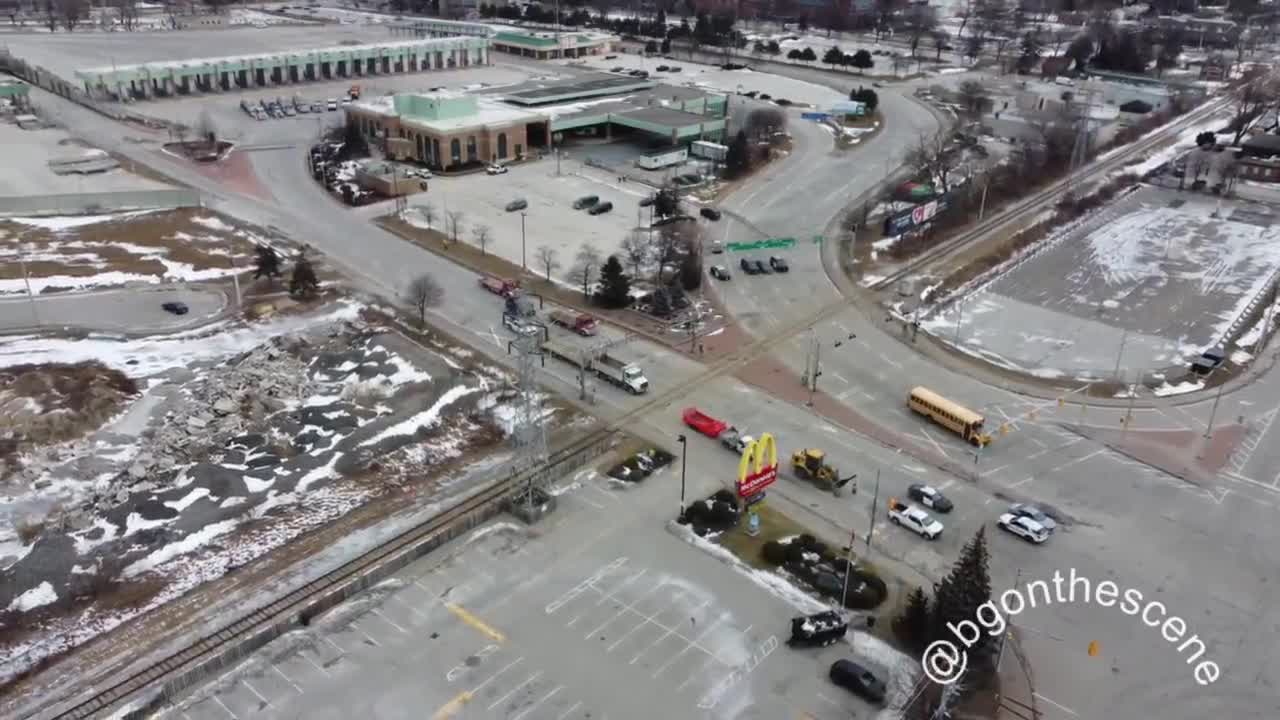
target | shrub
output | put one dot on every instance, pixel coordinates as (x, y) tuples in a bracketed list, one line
[(774, 552), (29, 529)]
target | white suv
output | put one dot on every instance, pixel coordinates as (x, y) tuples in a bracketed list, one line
[(1024, 527)]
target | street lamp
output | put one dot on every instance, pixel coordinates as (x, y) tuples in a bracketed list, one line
[(524, 265), (684, 451)]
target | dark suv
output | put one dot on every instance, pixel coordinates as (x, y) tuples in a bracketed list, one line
[(710, 213), (779, 264), (748, 266), (856, 679)]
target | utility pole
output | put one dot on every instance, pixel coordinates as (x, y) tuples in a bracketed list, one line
[(875, 500), (1213, 414), (684, 452), (524, 263), (1128, 413), (1124, 337), (848, 563), (816, 369), (1005, 638), (26, 279)]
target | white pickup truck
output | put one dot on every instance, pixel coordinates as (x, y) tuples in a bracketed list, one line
[(914, 519)]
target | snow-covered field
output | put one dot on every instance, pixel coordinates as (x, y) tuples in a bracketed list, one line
[(1148, 282), (243, 438), (144, 246)]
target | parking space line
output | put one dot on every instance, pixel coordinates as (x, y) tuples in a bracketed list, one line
[(687, 646), (647, 619), (625, 583), (366, 635), (335, 645), (545, 698), (286, 678), (410, 606), (665, 635), (624, 609), (491, 678), (450, 708), (254, 690), (475, 622), (1069, 463), (513, 690), (693, 675), (387, 620), (566, 712), (1022, 482), (592, 503), (612, 497), (224, 707)]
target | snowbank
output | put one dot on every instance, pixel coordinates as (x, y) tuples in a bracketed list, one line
[(37, 596)]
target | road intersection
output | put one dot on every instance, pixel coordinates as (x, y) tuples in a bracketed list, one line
[(1122, 517)]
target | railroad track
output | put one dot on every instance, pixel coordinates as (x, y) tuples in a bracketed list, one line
[(1036, 201), (208, 647)]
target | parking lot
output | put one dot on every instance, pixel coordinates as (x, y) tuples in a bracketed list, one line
[(598, 618), (232, 123), (550, 218)]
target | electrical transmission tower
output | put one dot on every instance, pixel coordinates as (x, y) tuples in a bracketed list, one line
[(529, 434), (1084, 136)]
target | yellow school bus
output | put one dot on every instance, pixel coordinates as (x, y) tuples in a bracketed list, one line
[(956, 418)]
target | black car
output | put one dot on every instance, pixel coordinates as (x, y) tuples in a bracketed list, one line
[(779, 264), (858, 680), (761, 267), (929, 497), (720, 272), (710, 213), (819, 630), (748, 266), (177, 308), (663, 68)]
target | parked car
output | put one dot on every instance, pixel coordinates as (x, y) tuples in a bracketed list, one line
[(762, 268), (317, 107), (496, 169), (646, 202), (929, 497), (333, 104), (674, 68), (779, 264), (302, 108), (289, 111), (817, 630), (177, 308), (618, 69), (600, 208), (663, 68), (751, 93), (517, 204), (720, 272), (585, 202), (1023, 527), (748, 266), (858, 680), (710, 213), (765, 96), (1034, 513), (782, 101), (717, 247)]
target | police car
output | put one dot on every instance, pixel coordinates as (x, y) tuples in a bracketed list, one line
[(929, 497), (1024, 527)]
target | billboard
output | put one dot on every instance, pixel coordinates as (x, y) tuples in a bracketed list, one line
[(919, 215), (758, 468), (849, 107)]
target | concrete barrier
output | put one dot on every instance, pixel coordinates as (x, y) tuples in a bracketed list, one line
[(85, 203)]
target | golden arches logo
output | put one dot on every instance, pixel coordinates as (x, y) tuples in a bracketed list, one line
[(759, 465)]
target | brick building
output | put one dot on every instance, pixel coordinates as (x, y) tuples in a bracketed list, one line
[(446, 131)]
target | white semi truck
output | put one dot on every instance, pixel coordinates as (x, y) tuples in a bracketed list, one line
[(625, 375)]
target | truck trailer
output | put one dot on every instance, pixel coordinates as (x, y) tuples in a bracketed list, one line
[(580, 323), (625, 375), (662, 158)]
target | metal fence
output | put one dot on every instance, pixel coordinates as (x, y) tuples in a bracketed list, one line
[(92, 202)]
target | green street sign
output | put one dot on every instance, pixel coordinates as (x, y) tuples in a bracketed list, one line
[(770, 244)]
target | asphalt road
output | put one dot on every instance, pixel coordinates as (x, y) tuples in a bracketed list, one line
[(1194, 548), (129, 310)]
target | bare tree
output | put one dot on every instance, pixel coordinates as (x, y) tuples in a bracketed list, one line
[(71, 12), (428, 213), (932, 158), (51, 14), (424, 292), (1250, 101), (453, 223), (482, 235), (548, 258), (636, 250), (921, 21), (127, 13), (205, 128), (973, 99), (585, 265)]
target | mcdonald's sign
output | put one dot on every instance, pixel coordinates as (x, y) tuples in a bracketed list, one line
[(759, 466)]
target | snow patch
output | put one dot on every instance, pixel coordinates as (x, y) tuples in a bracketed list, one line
[(40, 595), (427, 418), (187, 544), (1181, 388), (191, 497)]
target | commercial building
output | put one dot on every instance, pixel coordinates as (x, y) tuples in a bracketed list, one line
[(451, 45), (547, 45), (448, 131)]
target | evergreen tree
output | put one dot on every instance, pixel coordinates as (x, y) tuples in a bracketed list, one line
[(808, 55), (738, 159), (267, 263), (912, 625), (833, 57), (304, 282), (666, 203), (666, 46), (866, 96), (1032, 48), (957, 596), (615, 286), (863, 61)]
